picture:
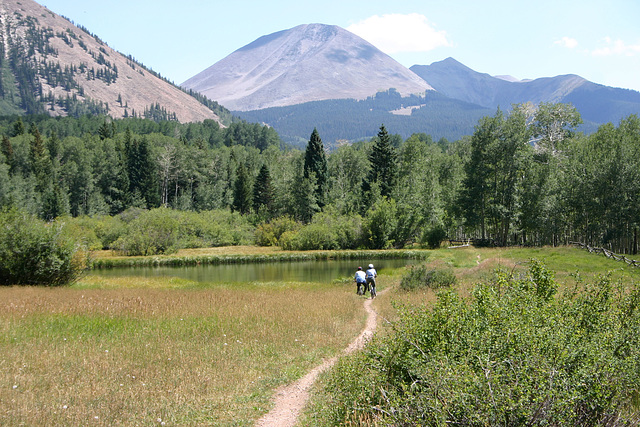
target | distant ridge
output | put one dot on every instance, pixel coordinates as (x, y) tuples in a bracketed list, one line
[(51, 66), (596, 103), (306, 63)]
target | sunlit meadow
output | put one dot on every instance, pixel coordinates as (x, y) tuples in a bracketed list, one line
[(162, 351)]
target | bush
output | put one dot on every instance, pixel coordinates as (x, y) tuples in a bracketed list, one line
[(165, 231), (108, 229), (380, 224), (81, 230), (214, 228), (98, 231), (315, 236), (421, 277), (433, 237), (269, 233), (515, 354), (153, 232), (327, 231), (33, 252)]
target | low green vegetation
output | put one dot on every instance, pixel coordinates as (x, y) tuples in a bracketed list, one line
[(516, 352), (424, 277), (33, 252)]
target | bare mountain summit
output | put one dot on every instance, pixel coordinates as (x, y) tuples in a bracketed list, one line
[(306, 63), (48, 65)]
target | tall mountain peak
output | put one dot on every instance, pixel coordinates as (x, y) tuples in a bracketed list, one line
[(309, 62)]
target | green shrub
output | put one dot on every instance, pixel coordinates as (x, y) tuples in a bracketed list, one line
[(81, 230), (108, 229), (213, 228), (380, 224), (345, 229), (514, 354), (434, 236), (153, 232), (99, 231), (328, 230), (269, 233), (164, 231), (33, 252), (421, 277), (315, 236), (288, 241)]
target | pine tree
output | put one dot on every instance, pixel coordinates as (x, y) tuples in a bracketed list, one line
[(40, 162), (53, 145), (315, 161), (306, 204), (18, 128), (263, 191), (141, 170), (383, 164), (7, 151), (105, 130), (242, 191)]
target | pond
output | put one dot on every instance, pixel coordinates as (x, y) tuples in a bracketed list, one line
[(323, 271)]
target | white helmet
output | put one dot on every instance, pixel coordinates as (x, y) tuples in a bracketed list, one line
[(370, 265)]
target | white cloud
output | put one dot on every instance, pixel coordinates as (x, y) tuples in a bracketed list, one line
[(395, 33), (567, 42), (616, 47)]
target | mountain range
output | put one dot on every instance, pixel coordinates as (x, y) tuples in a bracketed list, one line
[(312, 75), (596, 103), (326, 77)]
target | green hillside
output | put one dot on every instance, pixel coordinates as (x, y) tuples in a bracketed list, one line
[(353, 120)]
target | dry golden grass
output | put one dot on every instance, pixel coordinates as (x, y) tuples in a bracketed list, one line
[(147, 355)]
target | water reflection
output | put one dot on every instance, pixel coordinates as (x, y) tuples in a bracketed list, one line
[(297, 271)]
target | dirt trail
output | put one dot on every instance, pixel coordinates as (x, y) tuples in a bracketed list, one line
[(291, 399)]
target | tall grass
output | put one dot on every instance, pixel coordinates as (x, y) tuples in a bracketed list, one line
[(149, 355)]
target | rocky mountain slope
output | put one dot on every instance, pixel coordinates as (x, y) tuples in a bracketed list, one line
[(306, 63), (48, 65)]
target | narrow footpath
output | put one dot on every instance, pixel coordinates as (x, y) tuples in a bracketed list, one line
[(291, 399)]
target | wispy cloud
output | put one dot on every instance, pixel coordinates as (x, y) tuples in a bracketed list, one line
[(395, 33), (567, 42), (616, 47)]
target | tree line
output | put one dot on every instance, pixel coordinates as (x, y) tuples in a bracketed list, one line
[(523, 177)]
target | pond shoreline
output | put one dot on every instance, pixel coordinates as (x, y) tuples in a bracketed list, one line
[(234, 257)]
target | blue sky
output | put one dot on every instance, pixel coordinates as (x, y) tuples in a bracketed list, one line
[(597, 40)]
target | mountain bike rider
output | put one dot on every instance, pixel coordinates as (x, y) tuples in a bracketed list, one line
[(370, 276), (360, 280)]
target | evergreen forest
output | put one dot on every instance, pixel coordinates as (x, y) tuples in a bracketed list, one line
[(524, 177)]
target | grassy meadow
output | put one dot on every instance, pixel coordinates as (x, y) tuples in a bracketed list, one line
[(152, 352), (167, 351)]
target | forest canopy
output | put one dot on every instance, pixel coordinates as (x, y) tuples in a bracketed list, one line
[(524, 177)]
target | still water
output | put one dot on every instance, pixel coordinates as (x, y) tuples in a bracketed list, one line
[(296, 271)]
